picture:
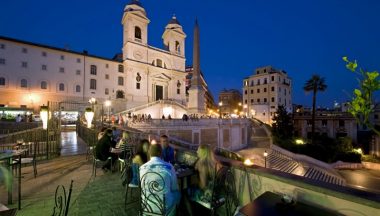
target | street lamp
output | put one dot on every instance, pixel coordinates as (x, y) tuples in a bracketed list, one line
[(220, 109), (44, 113), (108, 105), (265, 157), (89, 115)]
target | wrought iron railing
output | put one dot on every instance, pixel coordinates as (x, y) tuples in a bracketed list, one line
[(62, 202)]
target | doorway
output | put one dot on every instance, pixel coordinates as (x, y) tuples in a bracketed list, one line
[(159, 92)]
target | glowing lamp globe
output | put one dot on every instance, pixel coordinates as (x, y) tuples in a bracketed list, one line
[(44, 113), (89, 115)]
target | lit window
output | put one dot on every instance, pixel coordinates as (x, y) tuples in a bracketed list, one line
[(43, 85), (93, 84), (93, 70)]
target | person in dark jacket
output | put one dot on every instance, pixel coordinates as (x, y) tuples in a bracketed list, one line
[(103, 150)]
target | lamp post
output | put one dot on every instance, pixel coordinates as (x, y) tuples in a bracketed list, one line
[(108, 105), (265, 157), (220, 109), (89, 115)]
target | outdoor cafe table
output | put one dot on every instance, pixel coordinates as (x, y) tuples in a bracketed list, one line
[(184, 173), (8, 156), (270, 204)]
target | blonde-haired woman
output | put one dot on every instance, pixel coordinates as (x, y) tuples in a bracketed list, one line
[(205, 166)]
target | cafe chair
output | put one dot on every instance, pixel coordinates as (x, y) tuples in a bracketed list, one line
[(132, 188), (27, 158), (96, 161), (152, 200), (126, 157)]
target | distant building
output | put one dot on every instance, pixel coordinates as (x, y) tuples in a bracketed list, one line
[(333, 124), (264, 91), (209, 99), (230, 102)]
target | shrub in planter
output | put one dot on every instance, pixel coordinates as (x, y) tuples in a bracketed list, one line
[(352, 157)]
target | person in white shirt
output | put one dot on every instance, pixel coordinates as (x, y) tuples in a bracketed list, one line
[(157, 170)]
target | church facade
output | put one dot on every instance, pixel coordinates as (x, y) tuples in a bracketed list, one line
[(32, 74)]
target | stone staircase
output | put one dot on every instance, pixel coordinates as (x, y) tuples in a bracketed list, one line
[(281, 162)]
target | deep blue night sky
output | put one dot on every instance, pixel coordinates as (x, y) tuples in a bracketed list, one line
[(301, 37)]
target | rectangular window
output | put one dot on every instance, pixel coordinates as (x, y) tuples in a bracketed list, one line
[(137, 85), (24, 50), (106, 91), (272, 88), (107, 65), (272, 78), (2, 46), (62, 57), (62, 70), (120, 81), (78, 72), (245, 92), (252, 101), (265, 100), (2, 61), (251, 91), (78, 60), (178, 91), (107, 76), (272, 99), (245, 101), (265, 81), (93, 84), (93, 70), (258, 90), (44, 54), (44, 67), (24, 64), (258, 100), (265, 89), (121, 68)]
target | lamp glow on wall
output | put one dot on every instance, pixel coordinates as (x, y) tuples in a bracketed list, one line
[(89, 115), (167, 111), (44, 113)]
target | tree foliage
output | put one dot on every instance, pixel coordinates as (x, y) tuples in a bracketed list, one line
[(362, 105), (282, 126)]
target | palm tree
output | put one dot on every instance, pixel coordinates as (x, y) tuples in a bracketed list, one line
[(314, 84)]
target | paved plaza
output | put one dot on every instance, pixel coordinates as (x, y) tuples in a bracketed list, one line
[(103, 195)]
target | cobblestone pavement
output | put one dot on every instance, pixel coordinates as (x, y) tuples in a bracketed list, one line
[(103, 195)]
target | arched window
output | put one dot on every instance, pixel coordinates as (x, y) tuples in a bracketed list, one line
[(77, 88), (137, 32), (43, 85), (2, 81), (61, 87), (120, 94), (24, 83), (177, 47), (159, 63), (120, 81)]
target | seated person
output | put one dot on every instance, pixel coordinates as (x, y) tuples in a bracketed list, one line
[(140, 158), (103, 148), (206, 167), (125, 145), (167, 151), (101, 133), (168, 181)]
